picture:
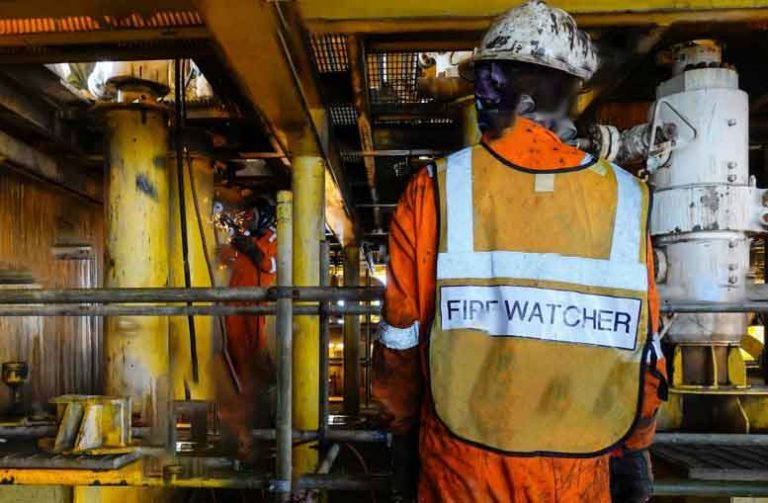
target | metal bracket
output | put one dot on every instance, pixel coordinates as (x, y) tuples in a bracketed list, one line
[(91, 424), (659, 155)]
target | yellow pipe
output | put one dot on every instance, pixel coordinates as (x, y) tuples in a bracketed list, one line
[(137, 230), (136, 348), (308, 180), (200, 245)]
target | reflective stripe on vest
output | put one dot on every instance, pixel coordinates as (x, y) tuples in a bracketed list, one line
[(539, 352), (621, 270)]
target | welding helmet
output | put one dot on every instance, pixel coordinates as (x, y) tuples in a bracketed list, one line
[(262, 217)]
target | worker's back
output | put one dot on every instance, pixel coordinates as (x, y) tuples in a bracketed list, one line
[(534, 245)]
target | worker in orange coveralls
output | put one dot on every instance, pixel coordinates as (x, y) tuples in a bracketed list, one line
[(517, 354), (255, 265), (249, 345)]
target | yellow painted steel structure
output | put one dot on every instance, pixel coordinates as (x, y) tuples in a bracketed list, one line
[(137, 231), (202, 248), (259, 37), (308, 181), (350, 16), (143, 478)]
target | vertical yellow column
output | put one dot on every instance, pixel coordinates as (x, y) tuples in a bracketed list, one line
[(352, 335), (202, 248), (136, 347), (308, 181), (137, 233)]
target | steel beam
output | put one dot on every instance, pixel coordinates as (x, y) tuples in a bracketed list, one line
[(404, 16), (28, 161), (18, 106), (104, 37), (47, 85), (356, 54), (269, 35)]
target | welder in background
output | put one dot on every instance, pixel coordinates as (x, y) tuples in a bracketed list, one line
[(250, 338)]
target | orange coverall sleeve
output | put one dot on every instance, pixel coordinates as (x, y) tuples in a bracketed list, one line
[(399, 374), (398, 378)]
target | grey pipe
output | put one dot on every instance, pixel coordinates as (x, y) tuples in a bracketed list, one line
[(163, 295), (733, 439), (710, 488), (366, 436), (372, 482), (284, 322), (327, 463), (325, 338), (748, 306), (128, 310)]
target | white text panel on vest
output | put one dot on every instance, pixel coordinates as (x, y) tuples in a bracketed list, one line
[(544, 314)]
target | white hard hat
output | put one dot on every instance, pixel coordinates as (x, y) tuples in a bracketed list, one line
[(542, 35)]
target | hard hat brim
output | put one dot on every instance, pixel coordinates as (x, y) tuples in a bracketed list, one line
[(581, 73)]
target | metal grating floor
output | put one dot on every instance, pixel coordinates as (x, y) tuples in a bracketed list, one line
[(343, 114), (330, 53), (393, 78), (717, 462)]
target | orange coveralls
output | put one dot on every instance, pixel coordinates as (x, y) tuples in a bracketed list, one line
[(452, 470), (245, 333)]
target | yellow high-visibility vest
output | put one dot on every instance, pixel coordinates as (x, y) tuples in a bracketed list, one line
[(541, 322)]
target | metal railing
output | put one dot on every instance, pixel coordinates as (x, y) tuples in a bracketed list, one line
[(320, 301), (277, 301)]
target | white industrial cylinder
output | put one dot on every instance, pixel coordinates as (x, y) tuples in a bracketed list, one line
[(704, 208)]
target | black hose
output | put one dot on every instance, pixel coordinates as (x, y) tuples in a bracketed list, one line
[(179, 95), (209, 265)]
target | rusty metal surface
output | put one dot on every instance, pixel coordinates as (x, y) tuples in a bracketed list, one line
[(31, 458), (717, 462), (39, 227), (66, 176), (165, 19)]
